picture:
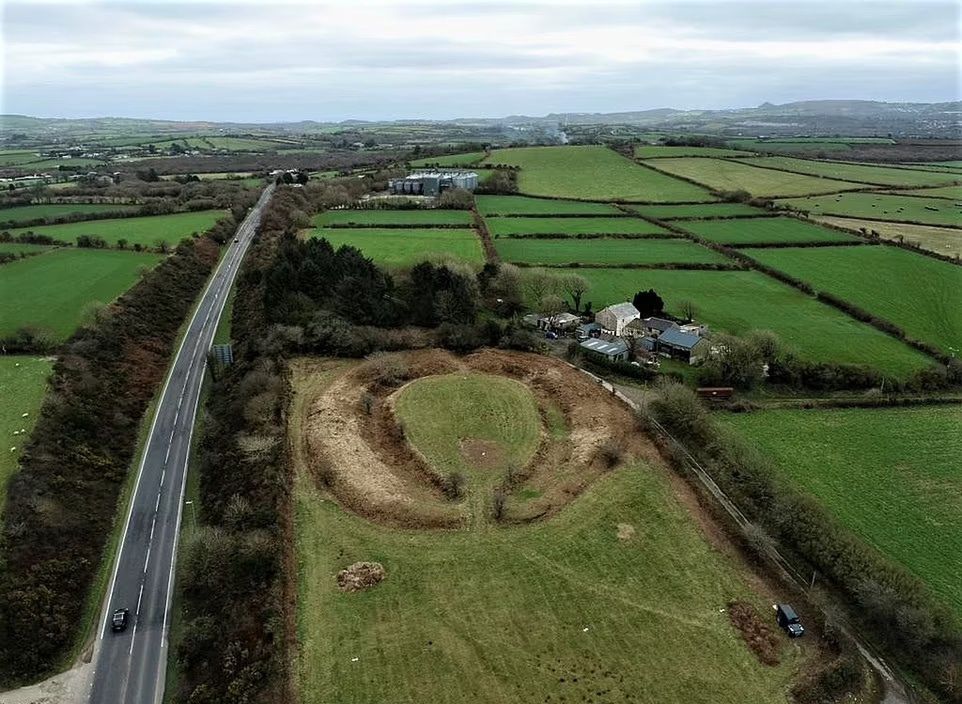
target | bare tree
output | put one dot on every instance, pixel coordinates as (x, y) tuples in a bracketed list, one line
[(575, 286), (688, 310)]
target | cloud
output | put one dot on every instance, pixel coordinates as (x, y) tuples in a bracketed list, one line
[(295, 60)]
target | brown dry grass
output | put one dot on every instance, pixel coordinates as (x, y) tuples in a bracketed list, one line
[(759, 635)]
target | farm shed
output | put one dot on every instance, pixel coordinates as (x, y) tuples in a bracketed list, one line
[(610, 350), (613, 319), (654, 327), (432, 183), (587, 330), (563, 322), (682, 345)]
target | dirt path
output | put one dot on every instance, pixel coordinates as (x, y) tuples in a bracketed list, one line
[(70, 687)]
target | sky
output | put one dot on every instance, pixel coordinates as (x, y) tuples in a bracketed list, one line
[(293, 60)]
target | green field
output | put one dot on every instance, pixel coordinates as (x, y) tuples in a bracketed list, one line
[(943, 240), (386, 218), (891, 475), (53, 291), (17, 248), (834, 148), (740, 301), (605, 251), (929, 211), (764, 231), (23, 381), (699, 210), (25, 213), (722, 175), (465, 159), (520, 205), (571, 227), (592, 173), (17, 157), (919, 294), (877, 175), (647, 151), (949, 192), (554, 611), (147, 230), (406, 246)]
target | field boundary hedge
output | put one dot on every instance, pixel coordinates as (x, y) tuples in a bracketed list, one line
[(698, 266), (589, 236), (481, 227)]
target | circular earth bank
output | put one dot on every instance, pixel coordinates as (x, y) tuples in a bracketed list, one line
[(428, 439)]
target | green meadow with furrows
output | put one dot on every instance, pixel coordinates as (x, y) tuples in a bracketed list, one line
[(387, 218), (521, 205), (765, 230), (605, 251), (696, 210), (723, 175), (878, 175), (571, 227), (406, 246)]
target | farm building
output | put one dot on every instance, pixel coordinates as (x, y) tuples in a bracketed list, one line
[(613, 319), (587, 330), (432, 183), (699, 329), (653, 327), (682, 345), (610, 350), (563, 322)]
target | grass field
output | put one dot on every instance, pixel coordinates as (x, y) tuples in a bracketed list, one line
[(944, 240), (891, 475), (465, 159), (605, 251), (555, 611), (919, 294), (406, 246), (520, 205), (52, 291), (25, 213), (17, 157), (699, 210), (833, 148), (764, 230), (878, 175), (147, 230), (724, 175), (647, 151), (24, 382), (928, 211), (570, 227), (382, 218), (949, 192), (592, 173), (17, 248), (739, 301)]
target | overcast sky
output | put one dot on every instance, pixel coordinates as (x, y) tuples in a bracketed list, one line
[(283, 61)]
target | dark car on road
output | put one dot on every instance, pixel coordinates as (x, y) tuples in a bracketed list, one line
[(788, 620), (120, 619)]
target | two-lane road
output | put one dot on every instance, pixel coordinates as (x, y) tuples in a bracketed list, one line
[(130, 666)]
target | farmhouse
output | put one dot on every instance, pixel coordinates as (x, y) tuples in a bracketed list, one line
[(682, 345), (613, 319), (432, 183), (610, 350)]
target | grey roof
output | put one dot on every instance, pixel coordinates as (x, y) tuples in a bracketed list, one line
[(622, 310), (590, 326), (605, 347), (677, 338), (564, 318), (660, 324), (647, 343)]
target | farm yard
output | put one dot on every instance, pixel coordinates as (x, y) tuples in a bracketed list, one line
[(54, 291), (890, 475), (592, 173), (764, 231), (24, 382), (917, 293), (573, 227), (521, 205), (618, 591), (725, 175), (404, 246), (146, 231), (862, 173), (942, 240), (614, 252), (881, 206)]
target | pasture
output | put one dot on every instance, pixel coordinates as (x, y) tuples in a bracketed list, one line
[(949, 192), (448, 160), (17, 248), (722, 175), (880, 206), (943, 240), (740, 301), (891, 475), (520, 205), (919, 294), (572, 227), (592, 173), (618, 592), (53, 211), (765, 231), (649, 151), (147, 231), (406, 246), (862, 173), (24, 382), (53, 291), (605, 251), (697, 210), (387, 218)]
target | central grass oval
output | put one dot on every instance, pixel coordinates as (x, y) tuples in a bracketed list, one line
[(440, 413)]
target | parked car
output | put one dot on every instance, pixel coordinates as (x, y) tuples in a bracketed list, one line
[(120, 619), (551, 335), (788, 620)]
